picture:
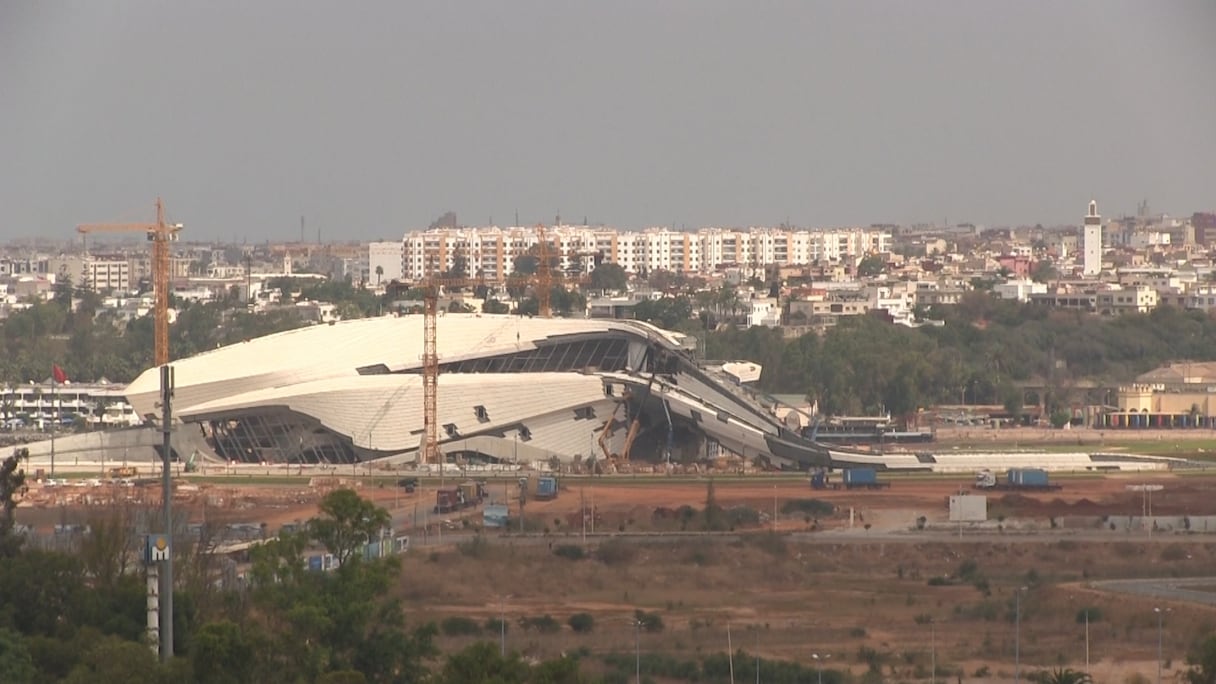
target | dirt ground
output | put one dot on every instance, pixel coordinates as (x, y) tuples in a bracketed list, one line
[(861, 602)]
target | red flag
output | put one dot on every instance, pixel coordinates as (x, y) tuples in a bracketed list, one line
[(58, 374)]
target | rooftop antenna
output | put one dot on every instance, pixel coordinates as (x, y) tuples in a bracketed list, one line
[(301, 230), (516, 217)]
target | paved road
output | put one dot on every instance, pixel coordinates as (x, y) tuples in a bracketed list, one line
[(1173, 589)]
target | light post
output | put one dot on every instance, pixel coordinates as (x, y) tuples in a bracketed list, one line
[(1017, 636), (1160, 623), (933, 650), (502, 625), (819, 666), (637, 649)]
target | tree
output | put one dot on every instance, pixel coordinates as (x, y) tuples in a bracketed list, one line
[(609, 277), (16, 665), (379, 274), (222, 654), (871, 266), (12, 487), (1202, 662), (347, 522)]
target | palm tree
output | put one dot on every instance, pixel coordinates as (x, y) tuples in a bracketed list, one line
[(379, 272), (1068, 676)]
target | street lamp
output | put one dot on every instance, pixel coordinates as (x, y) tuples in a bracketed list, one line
[(819, 665), (933, 650), (637, 648), (1017, 636), (1160, 623), (502, 624)]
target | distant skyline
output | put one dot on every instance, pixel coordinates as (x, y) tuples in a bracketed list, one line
[(373, 118)]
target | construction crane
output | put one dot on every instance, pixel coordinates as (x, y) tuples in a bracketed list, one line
[(160, 234), (430, 287)]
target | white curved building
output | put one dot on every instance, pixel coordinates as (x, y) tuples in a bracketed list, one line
[(510, 389)]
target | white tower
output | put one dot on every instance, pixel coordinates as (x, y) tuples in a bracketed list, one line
[(1093, 241)]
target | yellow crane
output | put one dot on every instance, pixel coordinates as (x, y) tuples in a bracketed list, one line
[(160, 234)]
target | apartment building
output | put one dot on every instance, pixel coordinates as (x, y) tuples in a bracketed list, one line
[(492, 251)]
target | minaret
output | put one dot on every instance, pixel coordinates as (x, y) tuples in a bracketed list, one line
[(1093, 241)]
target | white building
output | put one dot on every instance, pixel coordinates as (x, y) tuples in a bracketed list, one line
[(492, 251), (1093, 241), (1019, 289), (385, 262)]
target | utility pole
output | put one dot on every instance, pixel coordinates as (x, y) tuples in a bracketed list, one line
[(166, 577)]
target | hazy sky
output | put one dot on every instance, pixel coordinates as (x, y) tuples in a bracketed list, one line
[(373, 117)]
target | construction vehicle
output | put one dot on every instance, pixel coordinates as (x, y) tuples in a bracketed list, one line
[(160, 234), (191, 465), (1016, 479), (123, 471), (467, 495)]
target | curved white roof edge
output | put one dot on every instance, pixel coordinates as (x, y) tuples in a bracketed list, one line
[(340, 349)]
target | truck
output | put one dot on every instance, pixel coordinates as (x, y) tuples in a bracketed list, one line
[(851, 478), (1016, 479), (467, 495)]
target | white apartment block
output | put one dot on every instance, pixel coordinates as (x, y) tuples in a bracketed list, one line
[(492, 251), (389, 258), (105, 275)]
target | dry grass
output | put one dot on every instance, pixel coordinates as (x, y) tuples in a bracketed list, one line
[(787, 600)]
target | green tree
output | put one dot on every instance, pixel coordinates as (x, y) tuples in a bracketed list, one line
[(12, 487), (347, 522), (1067, 676), (16, 664), (1202, 662), (482, 662), (222, 654), (871, 265), (116, 660), (609, 277)]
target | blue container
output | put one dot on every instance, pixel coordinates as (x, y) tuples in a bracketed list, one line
[(860, 476), (546, 488), (1027, 477)]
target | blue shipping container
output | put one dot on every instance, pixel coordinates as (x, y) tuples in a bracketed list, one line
[(546, 487), (864, 476), (1028, 477)]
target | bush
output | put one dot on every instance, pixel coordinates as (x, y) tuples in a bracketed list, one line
[(570, 552), (939, 581), (458, 625), (815, 507), (650, 622), (477, 547), (582, 623), (1094, 614), (741, 516), (858, 632), (1174, 552), (544, 624), (497, 625), (615, 552)]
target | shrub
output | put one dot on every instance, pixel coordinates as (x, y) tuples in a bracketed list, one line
[(967, 570), (477, 547), (615, 552), (582, 622), (497, 625), (858, 632), (1094, 614), (939, 581), (815, 507), (650, 622), (570, 552), (1174, 552), (544, 624), (458, 625)]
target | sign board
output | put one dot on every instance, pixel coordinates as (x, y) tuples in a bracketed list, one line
[(495, 515), (156, 549), (968, 508)]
